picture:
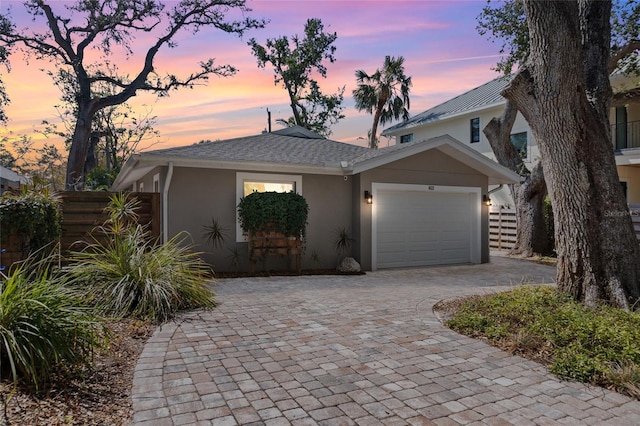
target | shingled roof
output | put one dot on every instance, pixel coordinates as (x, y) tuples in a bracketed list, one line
[(486, 95), (286, 146), (294, 151)]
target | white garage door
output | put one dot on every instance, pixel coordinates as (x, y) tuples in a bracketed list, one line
[(425, 227)]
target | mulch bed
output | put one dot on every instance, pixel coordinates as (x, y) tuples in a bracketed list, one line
[(101, 396)]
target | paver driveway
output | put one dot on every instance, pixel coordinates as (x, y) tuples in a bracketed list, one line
[(366, 350)]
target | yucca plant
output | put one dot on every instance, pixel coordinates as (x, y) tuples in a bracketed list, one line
[(215, 233), (130, 276), (43, 325), (343, 241)]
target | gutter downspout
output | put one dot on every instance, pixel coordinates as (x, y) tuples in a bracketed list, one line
[(165, 203), (497, 188)]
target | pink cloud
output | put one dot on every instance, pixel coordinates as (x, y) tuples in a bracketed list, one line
[(444, 56)]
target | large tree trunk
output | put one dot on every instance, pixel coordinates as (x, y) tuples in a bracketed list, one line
[(532, 236), (79, 150), (528, 195), (373, 140), (562, 94)]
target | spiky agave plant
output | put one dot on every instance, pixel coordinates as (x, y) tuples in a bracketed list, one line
[(43, 324)]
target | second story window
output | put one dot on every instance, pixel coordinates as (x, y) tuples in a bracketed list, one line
[(475, 130), (406, 138), (519, 142)]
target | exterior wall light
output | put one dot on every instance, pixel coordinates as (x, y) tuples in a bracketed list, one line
[(368, 197), (486, 200)]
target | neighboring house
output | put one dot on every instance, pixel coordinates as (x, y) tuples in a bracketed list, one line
[(464, 117), (10, 179), (427, 206)]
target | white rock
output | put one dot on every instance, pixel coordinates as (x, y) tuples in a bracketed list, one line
[(348, 264)]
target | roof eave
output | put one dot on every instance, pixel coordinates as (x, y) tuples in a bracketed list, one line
[(395, 132), (137, 167), (496, 173)]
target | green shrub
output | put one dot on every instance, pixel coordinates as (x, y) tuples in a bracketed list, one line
[(599, 346), (42, 324), (34, 216), (130, 275), (284, 212)]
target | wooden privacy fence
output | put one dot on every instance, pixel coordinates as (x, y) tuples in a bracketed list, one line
[(502, 226), (82, 212)]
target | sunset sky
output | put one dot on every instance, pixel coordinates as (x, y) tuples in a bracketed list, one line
[(444, 55)]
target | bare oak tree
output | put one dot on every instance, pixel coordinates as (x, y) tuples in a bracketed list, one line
[(564, 93), (106, 26)]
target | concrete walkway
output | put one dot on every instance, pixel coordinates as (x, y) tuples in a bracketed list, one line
[(365, 350)]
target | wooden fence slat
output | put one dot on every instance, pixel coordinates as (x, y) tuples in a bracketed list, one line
[(502, 226), (83, 212)]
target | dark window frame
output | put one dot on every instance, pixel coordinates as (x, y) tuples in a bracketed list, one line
[(406, 138), (474, 128), (524, 153)]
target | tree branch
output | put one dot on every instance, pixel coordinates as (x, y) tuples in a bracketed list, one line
[(498, 133), (619, 54)]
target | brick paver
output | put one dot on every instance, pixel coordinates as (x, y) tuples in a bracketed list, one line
[(361, 350)]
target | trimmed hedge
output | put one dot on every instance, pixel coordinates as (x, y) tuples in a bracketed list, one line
[(35, 217), (284, 212)]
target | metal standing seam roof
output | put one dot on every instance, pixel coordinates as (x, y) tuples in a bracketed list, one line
[(481, 96)]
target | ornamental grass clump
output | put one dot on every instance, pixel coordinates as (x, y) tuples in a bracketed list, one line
[(130, 275), (44, 327)]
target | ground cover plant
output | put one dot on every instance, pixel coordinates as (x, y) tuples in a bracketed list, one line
[(599, 346)]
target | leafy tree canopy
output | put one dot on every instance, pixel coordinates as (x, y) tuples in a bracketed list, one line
[(384, 93), (294, 62), (505, 22)]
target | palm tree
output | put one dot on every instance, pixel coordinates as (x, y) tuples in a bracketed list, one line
[(385, 94)]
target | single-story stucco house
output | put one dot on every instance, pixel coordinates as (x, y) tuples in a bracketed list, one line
[(427, 205)]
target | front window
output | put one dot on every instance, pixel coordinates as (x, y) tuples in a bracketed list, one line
[(247, 183), (519, 142), (406, 138), (475, 130), (263, 186)]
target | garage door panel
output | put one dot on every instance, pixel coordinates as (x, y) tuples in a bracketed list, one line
[(419, 237), (420, 228)]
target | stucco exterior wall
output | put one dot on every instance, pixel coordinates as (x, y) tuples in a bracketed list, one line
[(329, 199), (147, 181), (198, 195), (631, 175), (633, 112), (459, 128), (429, 168)]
